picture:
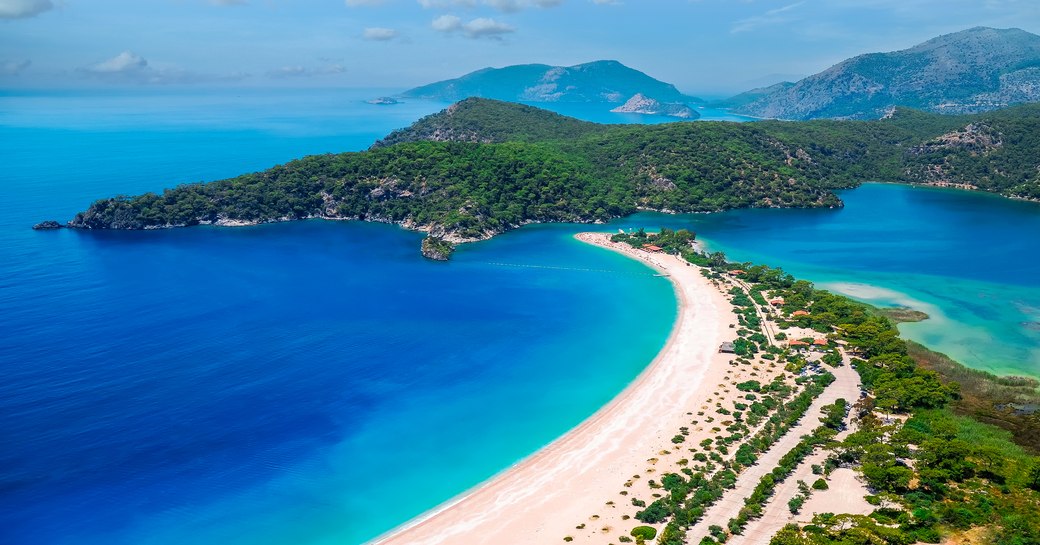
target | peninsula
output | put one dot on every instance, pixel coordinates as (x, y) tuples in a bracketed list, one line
[(482, 167)]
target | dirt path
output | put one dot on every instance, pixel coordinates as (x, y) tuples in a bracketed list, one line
[(846, 386), (845, 495)]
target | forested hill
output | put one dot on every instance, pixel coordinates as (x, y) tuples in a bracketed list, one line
[(482, 167)]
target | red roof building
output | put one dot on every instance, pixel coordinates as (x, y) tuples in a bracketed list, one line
[(798, 313), (777, 302), (652, 248), (797, 343), (820, 342)]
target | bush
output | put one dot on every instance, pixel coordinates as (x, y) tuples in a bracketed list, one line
[(820, 484), (654, 513), (644, 532)]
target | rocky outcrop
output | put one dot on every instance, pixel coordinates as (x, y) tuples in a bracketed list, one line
[(47, 225), (437, 249), (642, 104)]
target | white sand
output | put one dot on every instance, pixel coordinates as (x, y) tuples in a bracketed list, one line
[(569, 482)]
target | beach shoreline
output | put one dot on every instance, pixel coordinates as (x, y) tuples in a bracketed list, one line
[(578, 476)]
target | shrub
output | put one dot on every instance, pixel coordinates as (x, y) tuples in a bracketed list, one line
[(654, 513), (820, 484), (644, 532)]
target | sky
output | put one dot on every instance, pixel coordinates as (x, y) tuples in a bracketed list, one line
[(702, 46)]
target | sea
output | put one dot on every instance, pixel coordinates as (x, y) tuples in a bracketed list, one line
[(320, 382)]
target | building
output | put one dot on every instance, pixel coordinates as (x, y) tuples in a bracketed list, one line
[(797, 344), (799, 313), (737, 272), (652, 248), (727, 348), (779, 302), (820, 342)]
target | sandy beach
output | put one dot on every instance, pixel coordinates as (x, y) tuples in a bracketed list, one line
[(581, 485)]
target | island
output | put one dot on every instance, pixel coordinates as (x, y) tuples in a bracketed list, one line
[(641, 104), (605, 81), (482, 167), (383, 101)]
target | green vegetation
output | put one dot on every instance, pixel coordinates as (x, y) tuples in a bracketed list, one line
[(482, 167), (672, 242), (923, 442), (644, 532), (898, 315), (1011, 403), (938, 474), (437, 248)]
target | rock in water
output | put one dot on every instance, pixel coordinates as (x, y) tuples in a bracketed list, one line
[(437, 249), (47, 225)]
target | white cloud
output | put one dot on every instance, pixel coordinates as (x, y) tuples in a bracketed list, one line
[(131, 67), (444, 4), (446, 23), (379, 34), (486, 28), (13, 68), (123, 63), (772, 17), (19, 9), (299, 71), (481, 27), (361, 3)]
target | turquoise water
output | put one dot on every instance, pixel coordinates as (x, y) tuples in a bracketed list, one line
[(313, 382), (970, 260)]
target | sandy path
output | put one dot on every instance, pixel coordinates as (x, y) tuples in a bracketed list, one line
[(845, 495), (846, 385), (542, 499)]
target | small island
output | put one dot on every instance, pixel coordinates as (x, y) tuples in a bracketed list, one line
[(642, 104), (48, 225), (437, 249), (383, 101)]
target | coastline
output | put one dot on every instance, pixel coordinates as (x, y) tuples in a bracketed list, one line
[(546, 496)]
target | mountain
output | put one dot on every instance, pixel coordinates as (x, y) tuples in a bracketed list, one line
[(600, 81), (975, 70), (482, 167), (642, 104)]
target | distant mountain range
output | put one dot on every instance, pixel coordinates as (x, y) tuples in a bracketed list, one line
[(975, 70), (607, 82)]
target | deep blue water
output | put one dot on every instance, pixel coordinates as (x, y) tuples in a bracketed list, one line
[(314, 382)]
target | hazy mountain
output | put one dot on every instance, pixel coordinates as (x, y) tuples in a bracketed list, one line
[(974, 70), (600, 81)]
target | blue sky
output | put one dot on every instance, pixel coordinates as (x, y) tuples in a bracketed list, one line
[(703, 46)]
